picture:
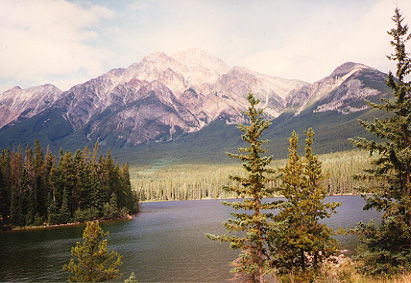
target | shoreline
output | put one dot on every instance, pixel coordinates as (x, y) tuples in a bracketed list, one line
[(226, 198), (9, 228)]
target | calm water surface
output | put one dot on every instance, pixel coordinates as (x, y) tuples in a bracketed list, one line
[(165, 243)]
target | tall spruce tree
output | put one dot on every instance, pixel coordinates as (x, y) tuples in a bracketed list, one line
[(34, 190), (5, 184), (93, 262), (386, 248), (253, 219), (303, 243)]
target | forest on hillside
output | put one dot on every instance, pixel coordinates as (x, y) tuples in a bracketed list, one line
[(199, 181), (36, 188)]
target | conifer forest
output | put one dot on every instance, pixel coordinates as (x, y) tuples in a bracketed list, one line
[(37, 188), (279, 209)]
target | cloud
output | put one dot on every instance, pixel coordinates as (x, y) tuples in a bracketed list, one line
[(329, 39), (65, 43), (49, 38)]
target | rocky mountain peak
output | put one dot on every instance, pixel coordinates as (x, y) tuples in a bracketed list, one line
[(196, 58), (347, 68), (17, 103), (343, 91), (163, 97)]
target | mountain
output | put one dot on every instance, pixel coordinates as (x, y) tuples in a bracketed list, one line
[(191, 98), (158, 99), (18, 104), (343, 91)]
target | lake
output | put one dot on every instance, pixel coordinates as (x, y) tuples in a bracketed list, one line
[(165, 242)]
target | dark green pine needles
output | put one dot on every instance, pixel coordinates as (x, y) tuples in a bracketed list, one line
[(386, 248), (92, 261), (278, 236), (302, 243), (252, 217)]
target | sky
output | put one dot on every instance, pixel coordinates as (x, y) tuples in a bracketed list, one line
[(69, 42)]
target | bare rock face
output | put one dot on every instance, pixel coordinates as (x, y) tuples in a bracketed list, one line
[(344, 91), (163, 97), (18, 103)]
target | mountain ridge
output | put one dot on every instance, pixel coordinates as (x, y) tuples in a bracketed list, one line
[(163, 98)]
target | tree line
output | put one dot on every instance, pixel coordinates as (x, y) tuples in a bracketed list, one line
[(199, 181), (37, 189)]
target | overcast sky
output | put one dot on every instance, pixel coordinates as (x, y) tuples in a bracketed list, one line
[(68, 42)]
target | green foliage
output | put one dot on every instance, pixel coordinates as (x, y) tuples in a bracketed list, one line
[(64, 215), (131, 279), (251, 219), (53, 217), (92, 262), (110, 209), (386, 248), (169, 181), (302, 243), (34, 189)]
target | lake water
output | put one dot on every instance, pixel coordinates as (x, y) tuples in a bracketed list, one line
[(165, 242)]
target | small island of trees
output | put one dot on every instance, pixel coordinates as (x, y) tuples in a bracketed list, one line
[(289, 245), (36, 189)]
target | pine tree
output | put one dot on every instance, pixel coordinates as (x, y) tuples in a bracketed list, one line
[(252, 219), (387, 247), (303, 243), (39, 182), (93, 262), (52, 215), (67, 179), (110, 209), (321, 243), (16, 201), (64, 213), (5, 184), (80, 192), (131, 279)]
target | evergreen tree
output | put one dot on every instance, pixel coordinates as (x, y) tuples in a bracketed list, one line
[(33, 190), (93, 262), (131, 279), (387, 247), (252, 219), (81, 193), (110, 209), (39, 182), (17, 200), (52, 214), (303, 243), (5, 184), (67, 180), (64, 214)]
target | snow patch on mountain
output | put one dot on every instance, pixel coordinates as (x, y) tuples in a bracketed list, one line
[(18, 103)]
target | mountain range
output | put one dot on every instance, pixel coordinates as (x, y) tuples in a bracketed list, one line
[(189, 99)]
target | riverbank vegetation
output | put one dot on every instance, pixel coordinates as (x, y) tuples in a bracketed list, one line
[(37, 189)]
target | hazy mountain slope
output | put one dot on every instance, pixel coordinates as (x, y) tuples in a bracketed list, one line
[(344, 91), (18, 103), (159, 99), (185, 106)]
